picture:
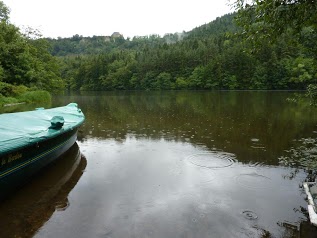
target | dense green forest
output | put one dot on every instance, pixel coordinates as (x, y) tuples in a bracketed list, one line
[(217, 55), (212, 56)]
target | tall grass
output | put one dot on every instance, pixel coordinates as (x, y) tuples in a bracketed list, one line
[(7, 100), (11, 94), (35, 96)]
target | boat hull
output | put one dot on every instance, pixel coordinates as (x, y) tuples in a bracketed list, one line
[(34, 204), (17, 167)]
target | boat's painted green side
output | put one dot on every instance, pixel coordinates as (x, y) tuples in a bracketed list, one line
[(45, 194), (17, 166)]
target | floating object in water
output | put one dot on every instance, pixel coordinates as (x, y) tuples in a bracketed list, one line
[(311, 191)]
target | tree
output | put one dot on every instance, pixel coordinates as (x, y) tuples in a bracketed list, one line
[(24, 58), (206, 58), (163, 81), (273, 17), (301, 71), (197, 78), (4, 12), (270, 18)]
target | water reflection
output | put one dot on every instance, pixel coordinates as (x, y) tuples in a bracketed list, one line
[(146, 188), (255, 126), (302, 154), (187, 164), (24, 107), (25, 212), (190, 164)]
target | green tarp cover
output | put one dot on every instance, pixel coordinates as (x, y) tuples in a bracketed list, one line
[(25, 128)]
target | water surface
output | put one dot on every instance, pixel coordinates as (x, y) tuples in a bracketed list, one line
[(186, 164)]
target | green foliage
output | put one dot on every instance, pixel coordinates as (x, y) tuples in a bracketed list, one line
[(209, 57), (25, 63), (164, 81), (212, 56), (231, 82), (6, 89), (181, 83), (18, 90), (196, 79), (312, 94), (15, 94), (4, 12), (301, 71), (273, 17), (35, 96), (7, 100), (304, 155), (25, 59), (269, 19)]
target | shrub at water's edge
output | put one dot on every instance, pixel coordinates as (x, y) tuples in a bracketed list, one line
[(28, 97), (7, 100), (35, 96), (11, 94), (26, 65)]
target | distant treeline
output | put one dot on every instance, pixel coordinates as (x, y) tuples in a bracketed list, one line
[(212, 56)]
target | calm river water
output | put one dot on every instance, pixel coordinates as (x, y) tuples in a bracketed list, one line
[(174, 164)]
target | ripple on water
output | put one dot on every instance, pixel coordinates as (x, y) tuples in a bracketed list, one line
[(212, 160), (250, 215), (254, 181)]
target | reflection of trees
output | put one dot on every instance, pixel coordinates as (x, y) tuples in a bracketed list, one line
[(24, 107), (303, 154), (256, 126), (288, 231)]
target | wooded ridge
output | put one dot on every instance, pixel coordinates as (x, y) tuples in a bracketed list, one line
[(216, 55), (212, 56)]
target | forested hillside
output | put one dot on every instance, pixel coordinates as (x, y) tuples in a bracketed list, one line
[(212, 56), (216, 55)]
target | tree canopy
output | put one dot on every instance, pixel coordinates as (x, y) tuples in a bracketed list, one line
[(207, 58), (267, 20), (273, 17), (4, 12), (212, 56), (24, 60)]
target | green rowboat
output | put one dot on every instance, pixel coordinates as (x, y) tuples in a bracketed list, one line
[(31, 140)]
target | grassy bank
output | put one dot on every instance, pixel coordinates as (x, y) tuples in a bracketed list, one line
[(11, 94)]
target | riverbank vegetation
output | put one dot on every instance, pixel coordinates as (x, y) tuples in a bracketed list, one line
[(26, 65), (217, 55), (11, 94), (268, 20)]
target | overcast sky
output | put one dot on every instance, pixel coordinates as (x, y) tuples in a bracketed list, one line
[(66, 18)]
